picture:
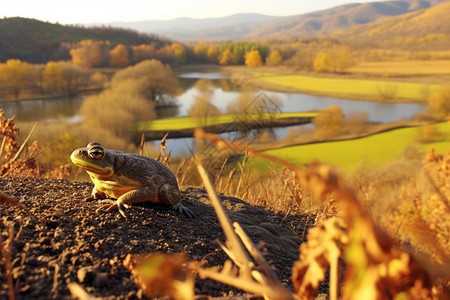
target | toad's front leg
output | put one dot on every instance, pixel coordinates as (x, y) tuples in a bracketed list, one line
[(142, 194)]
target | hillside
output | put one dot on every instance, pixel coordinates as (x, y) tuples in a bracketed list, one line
[(250, 26), (423, 29), (38, 42), (344, 16)]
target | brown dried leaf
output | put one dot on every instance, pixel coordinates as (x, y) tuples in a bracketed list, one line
[(323, 248), (162, 275)]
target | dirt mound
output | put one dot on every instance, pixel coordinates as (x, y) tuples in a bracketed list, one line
[(64, 239)]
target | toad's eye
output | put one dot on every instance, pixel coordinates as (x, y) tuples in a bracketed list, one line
[(96, 153)]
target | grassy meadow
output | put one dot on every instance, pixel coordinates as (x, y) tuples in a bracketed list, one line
[(373, 151), (179, 123), (403, 68), (364, 89)]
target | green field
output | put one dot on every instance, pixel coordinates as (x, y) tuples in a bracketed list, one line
[(180, 123), (353, 88), (374, 150)]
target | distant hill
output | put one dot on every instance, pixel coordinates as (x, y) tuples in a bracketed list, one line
[(200, 29), (427, 28), (248, 26), (38, 42)]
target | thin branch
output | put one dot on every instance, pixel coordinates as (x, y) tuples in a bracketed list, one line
[(24, 143)]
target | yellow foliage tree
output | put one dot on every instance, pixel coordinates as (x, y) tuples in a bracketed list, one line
[(159, 80), (118, 56), (213, 53), (338, 59), (88, 54), (274, 58), (52, 75), (143, 52), (323, 62), (63, 77), (439, 104), (253, 59), (200, 50), (226, 58), (117, 109), (329, 122), (179, 52), (14, 75)]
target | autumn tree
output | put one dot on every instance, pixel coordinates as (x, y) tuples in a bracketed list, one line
[(253, 59), (89, 54), (338, 59), (64, 77), (14, 75), (274, 58), (302, 60), (118, 56), (52, 77), (213, 53), (165, 54), (329, 122), (160, 84), (143, 52), (179, 52), (342, 57), (323, 62), (73, 78), (200, 50), (226, 58), (117, 109), (37, 78), (439, 104)]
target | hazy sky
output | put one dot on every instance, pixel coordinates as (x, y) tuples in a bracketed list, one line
[(87, 11)]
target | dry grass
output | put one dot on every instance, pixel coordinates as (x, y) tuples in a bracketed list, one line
[(377, 268), (404, 67)]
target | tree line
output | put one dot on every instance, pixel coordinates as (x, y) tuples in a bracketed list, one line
[(76, 73)]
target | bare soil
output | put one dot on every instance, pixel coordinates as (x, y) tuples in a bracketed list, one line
[(63, 239)]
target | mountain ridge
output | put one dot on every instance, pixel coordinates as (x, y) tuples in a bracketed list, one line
[(250, 26)]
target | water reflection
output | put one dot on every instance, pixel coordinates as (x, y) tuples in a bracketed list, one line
[(223, 92), (47, 110)]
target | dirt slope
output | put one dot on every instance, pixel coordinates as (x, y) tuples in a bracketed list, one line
[(71, 242)]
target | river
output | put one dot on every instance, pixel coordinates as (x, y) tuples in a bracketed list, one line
[(222, 93)]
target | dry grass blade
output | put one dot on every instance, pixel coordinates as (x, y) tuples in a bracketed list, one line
[(261, 282), (163, 155), (24, 143), (6, 251)]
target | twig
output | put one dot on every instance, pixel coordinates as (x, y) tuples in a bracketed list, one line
[(24, 143), (3, 145), (232, 242), (250, 279)]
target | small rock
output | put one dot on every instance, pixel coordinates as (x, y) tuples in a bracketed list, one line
[(86, 275)]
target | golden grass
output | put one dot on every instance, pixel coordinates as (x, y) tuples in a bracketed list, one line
[(179, 123), (353, 88), (406, 67)]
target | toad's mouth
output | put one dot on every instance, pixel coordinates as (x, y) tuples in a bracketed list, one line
[(103, 171)]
